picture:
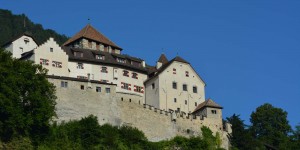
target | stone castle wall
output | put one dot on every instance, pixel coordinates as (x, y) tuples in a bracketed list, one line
[(74, 103)]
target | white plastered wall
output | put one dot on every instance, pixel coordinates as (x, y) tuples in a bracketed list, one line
[(16, 46), (167, 93), (95, 74), (43, 52)]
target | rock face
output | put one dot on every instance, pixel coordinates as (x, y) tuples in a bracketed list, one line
[(73, 102)]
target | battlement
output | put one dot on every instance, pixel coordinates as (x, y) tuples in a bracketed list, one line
[(124, 109)]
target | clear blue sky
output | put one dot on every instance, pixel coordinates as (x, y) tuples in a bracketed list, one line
[(248, 52)]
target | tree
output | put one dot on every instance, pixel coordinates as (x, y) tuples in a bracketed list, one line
[(270, 125), (27, 99), (240, 137)]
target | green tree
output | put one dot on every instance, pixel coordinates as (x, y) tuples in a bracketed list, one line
[(270, 125), (27, 99), (241, 137)]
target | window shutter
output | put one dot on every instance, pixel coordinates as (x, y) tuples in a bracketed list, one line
[(122, 85), (129, 86), (142, 90)]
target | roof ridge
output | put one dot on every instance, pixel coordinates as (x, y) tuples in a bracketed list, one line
[(86, 28)]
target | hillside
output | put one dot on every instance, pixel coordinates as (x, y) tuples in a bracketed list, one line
[(12, 25)]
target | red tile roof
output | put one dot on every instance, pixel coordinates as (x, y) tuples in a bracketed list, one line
[(208, 103), (91, 33)]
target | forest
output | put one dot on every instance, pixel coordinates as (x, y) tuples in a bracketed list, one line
[(13, 25)]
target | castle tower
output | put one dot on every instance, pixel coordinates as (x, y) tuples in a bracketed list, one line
[(90, 38)]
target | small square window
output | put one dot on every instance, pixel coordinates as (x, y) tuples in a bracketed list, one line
[(98, 89), (153, 86), (195, 89), (214, 111), (51, 49), (104, 69), (184, 87), (80, 66), (174, 71), (134, 75), (125, 73), (64, 84), (174, 84), (82, 87), (107, 90)]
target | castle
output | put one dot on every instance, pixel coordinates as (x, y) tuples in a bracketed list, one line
[(92, 76)]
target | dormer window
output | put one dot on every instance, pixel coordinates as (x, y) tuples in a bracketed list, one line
[(121, 60), (78, 54), (135, 63), (26, 40), (101, 57)]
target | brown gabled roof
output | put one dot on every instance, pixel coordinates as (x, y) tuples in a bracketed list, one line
[(163, 59), (165, 66), (110, 58), (208, 103), (91, 33)]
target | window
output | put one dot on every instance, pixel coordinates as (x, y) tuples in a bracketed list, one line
[(80, 66), (134, 75), (26, 40), (57, 64), (135, 63), (44, 61), (184, 87), (98, 89), (64, 84), (21, 49), (175, 100), (195, 89), (214, 111), (125, 86), (174, 71), (51, 49), (78, 54), (138, 89), (82, 87), (104, 69), (195, 103), (101, 57), (185, 102), (153, 86), (90, 44), (187, 74), (121, 60), (81, 77), (125, 73), (107, 90), (174, 85)]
